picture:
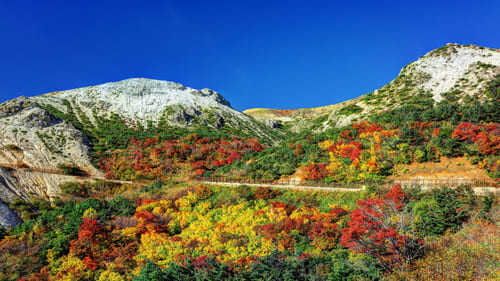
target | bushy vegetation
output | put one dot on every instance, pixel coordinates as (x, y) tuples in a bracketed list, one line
[(350, 109), (191, 156), (164, 227), (113, 132), (220, 233), (71, 169), (367, 151)]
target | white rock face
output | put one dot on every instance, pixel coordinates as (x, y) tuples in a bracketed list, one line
[(447, 69), (141, 101), (139, 98), (9, 189), (31, 136)]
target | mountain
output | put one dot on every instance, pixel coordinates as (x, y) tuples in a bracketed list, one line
[(182, 185), (452, 73), (150, 103), (65, 128), (57, 137)]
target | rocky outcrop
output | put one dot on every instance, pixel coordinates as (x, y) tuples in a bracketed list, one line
[(8, 218), (455, 72), (151, 102), (9, 189), (465, 68), (32, 137)]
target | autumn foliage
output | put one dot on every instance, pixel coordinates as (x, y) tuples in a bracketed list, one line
[(379, 229), (191, 155), (190, 231), (486, 137)]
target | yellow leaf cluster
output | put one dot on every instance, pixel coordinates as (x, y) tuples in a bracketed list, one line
[(72, 268), (326, 144), (185, 203), (226, 232), (108, 275)]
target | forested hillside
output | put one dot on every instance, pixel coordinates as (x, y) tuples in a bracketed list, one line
[(110, 182), (175, 231)]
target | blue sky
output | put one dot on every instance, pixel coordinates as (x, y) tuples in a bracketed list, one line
[(276, 54)]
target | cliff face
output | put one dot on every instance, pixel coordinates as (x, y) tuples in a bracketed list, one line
[(32, 137), (7, 217)]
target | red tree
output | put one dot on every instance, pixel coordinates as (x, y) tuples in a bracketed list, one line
[(91, 235), (380, 229)]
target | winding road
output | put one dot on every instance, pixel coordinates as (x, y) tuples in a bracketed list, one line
[(284, 185)]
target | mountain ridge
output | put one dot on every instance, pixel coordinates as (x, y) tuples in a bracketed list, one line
[(450, 72), (64, 127)]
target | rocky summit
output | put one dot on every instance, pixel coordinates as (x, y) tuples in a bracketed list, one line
[(148, 102), (54, 129), (451, 73)]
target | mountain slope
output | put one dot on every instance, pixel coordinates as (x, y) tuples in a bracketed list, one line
[(454, 73), (149, 103), (32, 137), (49, 131)]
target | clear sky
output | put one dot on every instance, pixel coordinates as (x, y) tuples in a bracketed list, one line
[(276, 54)]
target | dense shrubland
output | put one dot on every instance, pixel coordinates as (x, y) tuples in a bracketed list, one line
[(198, 232), (360, 152), (368, 150), (163, 227), (191, 156)]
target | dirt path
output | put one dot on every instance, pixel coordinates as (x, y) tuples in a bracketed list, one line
[(478, 190)]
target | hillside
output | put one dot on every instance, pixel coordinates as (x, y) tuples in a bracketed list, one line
[(452, 73), (111, 182), (287, 115), (74, 127), (153, 103), (444, 104)]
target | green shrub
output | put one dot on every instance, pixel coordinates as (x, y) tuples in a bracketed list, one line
[(71, 169), (13, 147), (350, 109)]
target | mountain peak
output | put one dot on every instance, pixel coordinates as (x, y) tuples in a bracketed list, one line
[(454, 67), (138, 99), (453, 72)]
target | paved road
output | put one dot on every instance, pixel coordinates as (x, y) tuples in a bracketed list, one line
[(478, 190), (301, 187)]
